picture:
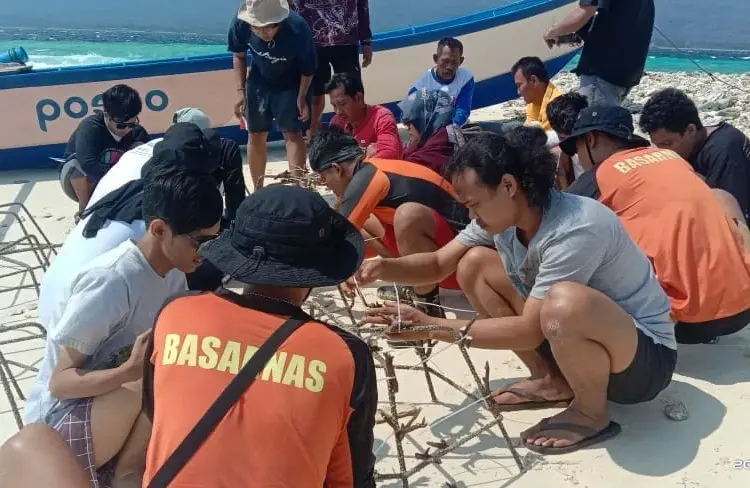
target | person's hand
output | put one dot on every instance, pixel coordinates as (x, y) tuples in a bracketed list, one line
[(371, 150), (388, 314), (303, 109), (550, 37), (239, 107), (369, 272), (366, 55), (133, 367)]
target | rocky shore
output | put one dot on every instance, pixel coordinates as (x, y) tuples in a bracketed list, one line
[(721, 98)]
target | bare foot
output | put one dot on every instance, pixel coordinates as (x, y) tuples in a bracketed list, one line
[(547, 389), (539, 435)]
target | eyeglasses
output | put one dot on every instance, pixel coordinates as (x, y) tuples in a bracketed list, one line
[(124, 124)]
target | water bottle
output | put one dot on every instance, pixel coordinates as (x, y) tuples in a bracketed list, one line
[(14, 55)]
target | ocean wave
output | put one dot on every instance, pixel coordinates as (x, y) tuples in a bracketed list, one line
[(40, 61)]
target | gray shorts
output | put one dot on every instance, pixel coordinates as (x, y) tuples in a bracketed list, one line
[(601, 92), (70, 170)]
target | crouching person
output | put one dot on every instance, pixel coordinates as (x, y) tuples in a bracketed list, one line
[(88, 388), (307, 419)]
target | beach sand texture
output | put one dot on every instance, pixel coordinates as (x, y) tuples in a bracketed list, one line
[(712, 381)]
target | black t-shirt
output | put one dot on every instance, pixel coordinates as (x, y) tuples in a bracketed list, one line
[(617, 40), (278, 64), (724, 160), (95, 147)]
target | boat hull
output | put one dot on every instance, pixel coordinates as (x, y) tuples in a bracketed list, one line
[(46, 106)]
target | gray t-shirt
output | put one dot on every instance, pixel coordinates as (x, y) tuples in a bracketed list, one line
[(106, 307), (582, 241)]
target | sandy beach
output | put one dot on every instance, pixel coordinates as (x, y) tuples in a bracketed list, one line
[(712, 382)]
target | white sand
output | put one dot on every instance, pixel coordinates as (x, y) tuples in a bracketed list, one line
[(711, 380)]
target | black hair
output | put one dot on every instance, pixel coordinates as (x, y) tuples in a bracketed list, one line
[(186, 201), (122, 102), (350, 82), (669, 109), (563, 111), (333, 144), (451, 43), (531, 66), (521, 153)]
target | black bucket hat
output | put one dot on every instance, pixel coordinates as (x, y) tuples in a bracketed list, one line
[(613, 120), (287, 236)]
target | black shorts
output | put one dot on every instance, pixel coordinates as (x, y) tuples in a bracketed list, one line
[(648, 374), (342, 59), (264, 105), (705, 332)]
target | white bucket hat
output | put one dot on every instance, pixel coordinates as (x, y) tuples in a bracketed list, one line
[(260, 13), (192, 115)]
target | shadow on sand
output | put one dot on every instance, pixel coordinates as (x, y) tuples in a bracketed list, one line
[(720, 364)]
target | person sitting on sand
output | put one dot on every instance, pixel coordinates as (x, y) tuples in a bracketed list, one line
[(683, 228), (428, 116), (99, 141), (282, 63), (562, 113), (450, 77), (115, 216), (573, 296), (313, 408), (409, 207), (536, 89), (88, 387), (720, 153), (373, 126)]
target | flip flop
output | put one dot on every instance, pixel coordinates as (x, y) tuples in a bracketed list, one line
[(535, 402), (591, 436)]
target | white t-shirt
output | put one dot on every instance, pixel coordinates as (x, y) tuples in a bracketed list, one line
[(77, 251), (104, 308)]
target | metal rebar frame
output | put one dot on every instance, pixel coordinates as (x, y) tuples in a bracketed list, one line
[(392, 416)]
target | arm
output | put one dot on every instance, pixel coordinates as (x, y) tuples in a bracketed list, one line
[(238, 42), (88, 150), (727, 169), (363, 17), (69, 381), (388, 140), (239, 63), (463, 103), (576, 19), (363, 195), (422, 268), (308, 61), (352, 463)]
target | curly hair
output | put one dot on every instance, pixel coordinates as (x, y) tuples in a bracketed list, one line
[(520, 152), (563, 111), (670, 109)]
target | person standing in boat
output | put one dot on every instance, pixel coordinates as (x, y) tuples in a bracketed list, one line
[(339, 28), (99, 141), (282, 65)]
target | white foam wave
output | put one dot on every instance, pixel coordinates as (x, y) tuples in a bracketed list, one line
[(56, 61)]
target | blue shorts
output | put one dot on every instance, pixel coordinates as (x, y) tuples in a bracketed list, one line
[(266, 105)]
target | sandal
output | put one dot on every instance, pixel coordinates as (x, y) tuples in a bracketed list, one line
[(534, 401), (591, 436)]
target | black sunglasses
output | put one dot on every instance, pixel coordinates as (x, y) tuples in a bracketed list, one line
[(122, 124)]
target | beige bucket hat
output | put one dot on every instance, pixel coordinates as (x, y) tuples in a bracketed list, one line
[(260, 13)]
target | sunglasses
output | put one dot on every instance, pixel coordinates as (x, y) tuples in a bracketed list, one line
[(124, 124)]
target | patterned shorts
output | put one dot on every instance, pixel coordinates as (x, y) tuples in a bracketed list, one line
[(75, 429)]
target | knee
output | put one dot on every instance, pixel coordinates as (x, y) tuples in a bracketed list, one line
[(294, 137), (27, 441), (412, 217), (470, 267), (561, 308)]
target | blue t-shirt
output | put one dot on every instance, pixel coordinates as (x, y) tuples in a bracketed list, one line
[(278, 64)]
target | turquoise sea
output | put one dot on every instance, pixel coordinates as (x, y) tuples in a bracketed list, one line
[(55, 53)]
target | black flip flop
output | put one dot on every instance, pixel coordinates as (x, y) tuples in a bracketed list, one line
[(592, 436), (535, 402)]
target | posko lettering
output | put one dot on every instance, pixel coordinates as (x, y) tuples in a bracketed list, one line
[(49, 110), (229, 357)]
